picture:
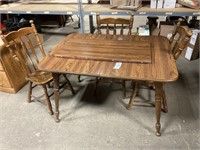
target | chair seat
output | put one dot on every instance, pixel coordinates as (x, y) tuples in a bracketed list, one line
[(40, 77)]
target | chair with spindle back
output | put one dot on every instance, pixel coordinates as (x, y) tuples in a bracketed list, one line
[(114, 26), (30, 51), (178, 42), (183, 35)]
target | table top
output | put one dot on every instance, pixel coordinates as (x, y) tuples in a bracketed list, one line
[(94, 47), (160, 65)]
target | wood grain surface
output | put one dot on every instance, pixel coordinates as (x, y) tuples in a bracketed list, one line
[(162, 67), (105, 49)]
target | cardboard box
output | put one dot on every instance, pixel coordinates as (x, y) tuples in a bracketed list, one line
[(136, 2), (125, 2), (118, 2), (155, 31), (153, 4), (160, 3), (166, 29), (190, 4), (192, 50), (169, 4), (143, 30)]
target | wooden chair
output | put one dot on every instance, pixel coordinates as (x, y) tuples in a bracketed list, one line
[(178, 42), (111, 25), (29, 50), (114, 26)]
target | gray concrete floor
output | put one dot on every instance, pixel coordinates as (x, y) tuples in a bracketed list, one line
[(101, 122)]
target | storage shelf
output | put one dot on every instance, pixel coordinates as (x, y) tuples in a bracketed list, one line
[(83, 9), (146, 10), (53, 9), (90, 9)]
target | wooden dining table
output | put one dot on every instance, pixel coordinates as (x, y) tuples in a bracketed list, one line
[(129, 57)]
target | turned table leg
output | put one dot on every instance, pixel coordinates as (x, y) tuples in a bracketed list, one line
[(56, 94), (158, 98), (164, 101)]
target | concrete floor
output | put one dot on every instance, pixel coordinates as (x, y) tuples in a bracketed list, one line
[(102, 122)]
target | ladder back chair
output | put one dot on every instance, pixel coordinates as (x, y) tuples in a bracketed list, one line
[(114, 26), (30, 52), (178, 42)]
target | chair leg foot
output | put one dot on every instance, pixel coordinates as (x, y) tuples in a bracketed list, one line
[(165, 110), (158, 126), (158, 134), (128, 107), (57, 117), (51, 112)]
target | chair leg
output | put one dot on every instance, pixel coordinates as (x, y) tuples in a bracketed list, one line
[(48, 85), (135, 88), (30, 92), (70, 86), (79, 78), (47, 99), (71, 18), (124, 88)]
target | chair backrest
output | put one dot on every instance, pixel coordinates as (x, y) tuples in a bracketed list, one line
[(180, 39), (28, 45), (112, 24)]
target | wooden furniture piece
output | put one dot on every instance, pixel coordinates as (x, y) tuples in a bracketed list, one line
[(29, 56), (75, 55), (114, 26), (178, 42), (12, 78)]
